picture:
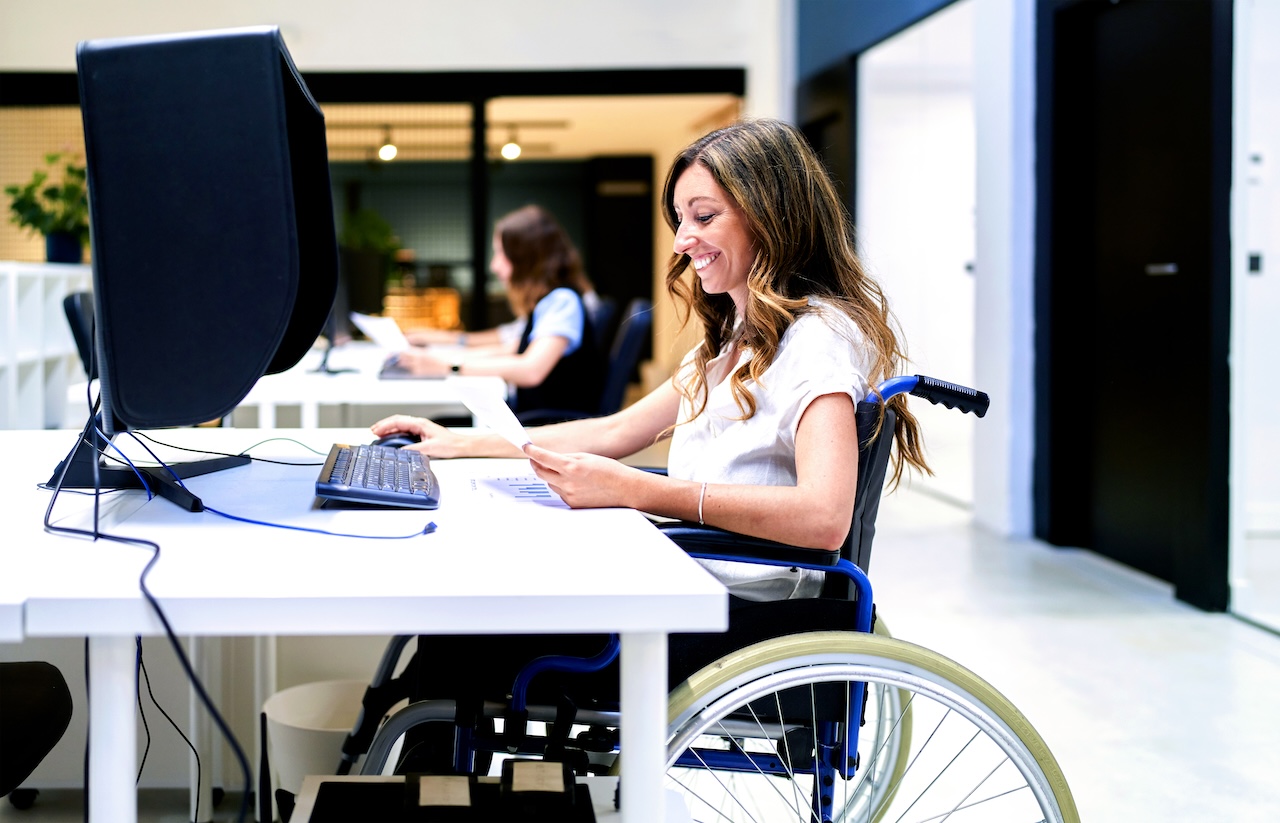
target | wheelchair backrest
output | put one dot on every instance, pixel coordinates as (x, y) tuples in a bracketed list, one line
[(873, 463)]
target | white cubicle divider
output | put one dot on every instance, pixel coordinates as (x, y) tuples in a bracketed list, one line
[(38, 357)]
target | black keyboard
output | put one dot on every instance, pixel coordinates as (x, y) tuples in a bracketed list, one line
[(381, 475)]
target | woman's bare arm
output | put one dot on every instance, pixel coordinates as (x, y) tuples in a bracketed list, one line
[(528, 368), (816, 512), (617, 435)]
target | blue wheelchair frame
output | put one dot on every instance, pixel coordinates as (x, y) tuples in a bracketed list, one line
[(833, 748), (835, 751)]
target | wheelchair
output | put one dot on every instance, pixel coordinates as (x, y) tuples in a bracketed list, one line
[(803, 710)]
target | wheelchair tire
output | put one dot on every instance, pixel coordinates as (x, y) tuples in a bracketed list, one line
[(971, 755)]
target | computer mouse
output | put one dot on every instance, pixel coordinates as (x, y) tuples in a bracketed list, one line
[(397, 440)]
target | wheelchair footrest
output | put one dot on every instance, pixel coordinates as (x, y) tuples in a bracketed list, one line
[(535, 791)]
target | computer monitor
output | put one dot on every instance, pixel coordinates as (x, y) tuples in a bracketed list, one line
[(211, 217)]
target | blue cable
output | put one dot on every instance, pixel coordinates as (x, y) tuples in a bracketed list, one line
[(428, 529), (141, 477)]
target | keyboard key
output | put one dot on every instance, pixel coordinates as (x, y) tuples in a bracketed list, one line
[(381, 475)]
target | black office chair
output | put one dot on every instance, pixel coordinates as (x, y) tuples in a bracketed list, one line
[(602, 317), (35, 710), (78, 307), (624, 363)]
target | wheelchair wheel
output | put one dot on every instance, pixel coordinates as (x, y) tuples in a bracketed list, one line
[(751, 738)]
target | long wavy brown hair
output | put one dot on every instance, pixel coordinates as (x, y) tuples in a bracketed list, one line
[(542, 257), (804, 247)]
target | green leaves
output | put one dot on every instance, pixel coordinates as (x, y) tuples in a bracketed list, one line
[(54, 205), (369, 231)]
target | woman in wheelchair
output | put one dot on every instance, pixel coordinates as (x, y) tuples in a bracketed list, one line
[(761, 413), (769, 416)]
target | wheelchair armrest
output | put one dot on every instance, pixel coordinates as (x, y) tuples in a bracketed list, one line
[(708, 542), (697, 539)]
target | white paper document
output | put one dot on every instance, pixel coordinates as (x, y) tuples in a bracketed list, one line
[(383, 331), (524, 488), (490, 411)]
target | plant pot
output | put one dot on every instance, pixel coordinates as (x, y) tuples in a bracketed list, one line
[(365, 273), (63, 247)]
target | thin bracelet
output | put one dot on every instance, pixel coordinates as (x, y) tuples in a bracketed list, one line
[(701, 495)]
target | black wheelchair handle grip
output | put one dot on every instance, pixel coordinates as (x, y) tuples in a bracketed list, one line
[(951, 395)]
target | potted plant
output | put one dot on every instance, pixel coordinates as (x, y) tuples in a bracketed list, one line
[(55, 203), (367, 245)]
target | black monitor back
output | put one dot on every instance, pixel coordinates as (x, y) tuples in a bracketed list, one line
[(214, 250)]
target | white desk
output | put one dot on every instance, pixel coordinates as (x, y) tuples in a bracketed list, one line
[(308, 389), (493, 565), (303, 386)]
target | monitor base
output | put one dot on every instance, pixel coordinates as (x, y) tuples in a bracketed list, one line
[(78, 472)]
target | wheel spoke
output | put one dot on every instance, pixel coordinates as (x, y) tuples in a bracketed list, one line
[(953, 771)]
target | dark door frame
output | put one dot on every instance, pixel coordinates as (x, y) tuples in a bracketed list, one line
[(1062, 490)]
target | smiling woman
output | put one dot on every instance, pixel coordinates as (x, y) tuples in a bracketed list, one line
[(712, 234), (761, 412)]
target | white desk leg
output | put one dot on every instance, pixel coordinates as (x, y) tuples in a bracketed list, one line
[(309, 414), (201, 653), (113, 732), (267, 414), (644, 726)]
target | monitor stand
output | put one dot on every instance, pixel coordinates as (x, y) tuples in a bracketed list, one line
[(80, 472), (324, 367)]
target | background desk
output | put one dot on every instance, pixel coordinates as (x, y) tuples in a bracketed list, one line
[(493, 565), (354, 391), (354, 398)]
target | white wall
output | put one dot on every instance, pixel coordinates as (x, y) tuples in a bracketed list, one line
[(984, 157), (440, 35), (1255, 388), (916, 176), (1258, 294), (1004, 111)]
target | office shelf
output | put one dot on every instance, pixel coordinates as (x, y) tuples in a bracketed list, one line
[(38, 357)]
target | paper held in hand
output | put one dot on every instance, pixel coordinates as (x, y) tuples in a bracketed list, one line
[(491, 412), (383, 331)]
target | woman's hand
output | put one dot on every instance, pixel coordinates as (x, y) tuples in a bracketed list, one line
[(582, 480), (435, 337), (436, 440), (422, 362)]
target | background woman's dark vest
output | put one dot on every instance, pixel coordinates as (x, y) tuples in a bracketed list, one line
[(576, 382)]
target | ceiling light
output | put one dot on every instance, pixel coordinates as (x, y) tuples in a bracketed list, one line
[(388, 149), (511, 149)]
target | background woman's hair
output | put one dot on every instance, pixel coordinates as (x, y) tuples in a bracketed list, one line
[(542, 257), (804, 247)]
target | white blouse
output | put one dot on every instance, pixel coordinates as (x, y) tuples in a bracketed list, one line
[(823, 352)]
